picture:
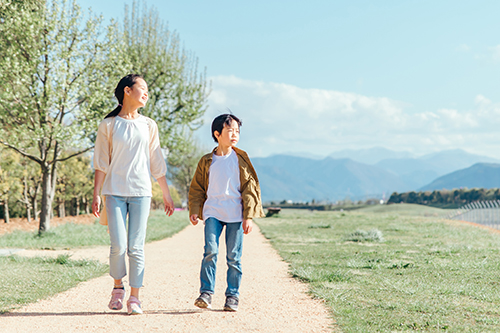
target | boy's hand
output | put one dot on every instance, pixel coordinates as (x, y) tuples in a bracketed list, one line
[(247, 226), (193, 219)]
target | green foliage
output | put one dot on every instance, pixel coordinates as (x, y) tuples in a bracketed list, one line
[(157, 199), (182, 160), (75, 186), (142, 44), (427, 275), (58, 70), (446, 198), (51, 57)]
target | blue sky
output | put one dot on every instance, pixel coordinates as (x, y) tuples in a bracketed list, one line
[(321, 76)]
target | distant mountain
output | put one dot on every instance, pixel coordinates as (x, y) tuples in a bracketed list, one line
[(417, 172), (480, 175), (299, 178), (304, 154), (370, 155), (451, 160), (302, 179)]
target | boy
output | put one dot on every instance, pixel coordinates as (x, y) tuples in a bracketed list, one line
[(224, 192)]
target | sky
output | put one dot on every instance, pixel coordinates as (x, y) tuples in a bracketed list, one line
[(315, 77)]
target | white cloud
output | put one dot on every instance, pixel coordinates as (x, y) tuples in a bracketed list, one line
[(281, 118), (495, 52)]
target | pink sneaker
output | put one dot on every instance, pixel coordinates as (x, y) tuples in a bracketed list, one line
[(134, 306), (117, 296)]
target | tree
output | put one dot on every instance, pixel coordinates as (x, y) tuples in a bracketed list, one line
[(75, 184), (51, 85), (182, 160), (177, 92), (31, 185), (58, 72), (9, 180)]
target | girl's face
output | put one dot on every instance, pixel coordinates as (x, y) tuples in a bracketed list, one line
[(137, 95)]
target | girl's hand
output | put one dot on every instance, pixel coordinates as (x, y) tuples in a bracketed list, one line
[(193, 219), (96, 204), (169, 204), (247, 226)]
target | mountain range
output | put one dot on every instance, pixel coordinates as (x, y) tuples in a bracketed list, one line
[(369, 173)]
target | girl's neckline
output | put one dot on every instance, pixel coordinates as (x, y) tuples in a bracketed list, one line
[(139, 116)]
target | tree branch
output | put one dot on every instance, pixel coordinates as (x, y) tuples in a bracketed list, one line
[(25, 154), (75, 154)]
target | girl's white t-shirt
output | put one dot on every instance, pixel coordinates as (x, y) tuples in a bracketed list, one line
[(136, 155), (224, 195)]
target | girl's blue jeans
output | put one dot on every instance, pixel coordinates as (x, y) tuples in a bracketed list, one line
[(234, 245), (127, 238)]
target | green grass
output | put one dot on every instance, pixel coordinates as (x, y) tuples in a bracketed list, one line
[(160, 226), (405, 209), (422, 274), (25, 280), (72, 235)]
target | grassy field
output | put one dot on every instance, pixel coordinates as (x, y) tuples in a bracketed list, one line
[(72, 235), (25, 280), (394, 268)]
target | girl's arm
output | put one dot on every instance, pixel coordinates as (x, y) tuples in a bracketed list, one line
[(167, 199), (98, 180)]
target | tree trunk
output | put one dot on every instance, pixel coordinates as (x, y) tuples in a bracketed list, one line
[(26, 199), (61, 204), (77, 206), (6, 210), (86, 205), (46, 204), (48, 192), (35, 208), (28, 214), (34, 203)]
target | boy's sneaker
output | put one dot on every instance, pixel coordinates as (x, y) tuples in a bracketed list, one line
[(134, 306), (231, 303), (204, 301), (117, 296)]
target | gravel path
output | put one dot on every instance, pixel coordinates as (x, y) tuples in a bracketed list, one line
[(270, 300)]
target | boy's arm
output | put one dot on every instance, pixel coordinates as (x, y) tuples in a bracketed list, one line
[(197, 192), (250, 194)]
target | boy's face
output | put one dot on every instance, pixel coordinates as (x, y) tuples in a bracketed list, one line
[(230, 135)]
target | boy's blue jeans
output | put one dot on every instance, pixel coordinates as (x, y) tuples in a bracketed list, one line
[(234, 245), (131, 242)]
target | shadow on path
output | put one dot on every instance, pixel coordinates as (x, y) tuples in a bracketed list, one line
[(121, 313)]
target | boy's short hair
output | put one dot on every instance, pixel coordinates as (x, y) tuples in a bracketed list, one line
[(219, 122)]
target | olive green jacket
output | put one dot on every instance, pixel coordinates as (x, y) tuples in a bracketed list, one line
[(249, 186)]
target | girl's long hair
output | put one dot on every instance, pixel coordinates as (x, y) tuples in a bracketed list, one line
[(126, 81)]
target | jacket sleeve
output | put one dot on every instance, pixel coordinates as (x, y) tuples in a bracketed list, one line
[(250, 194), (102, 154), (197, 190), (158, 166)]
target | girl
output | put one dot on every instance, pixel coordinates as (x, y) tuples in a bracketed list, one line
[(127, 153)]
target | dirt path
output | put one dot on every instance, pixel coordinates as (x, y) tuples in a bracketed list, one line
[(270, 300)]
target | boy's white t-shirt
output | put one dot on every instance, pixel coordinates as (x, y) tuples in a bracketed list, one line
[(223, 194)]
